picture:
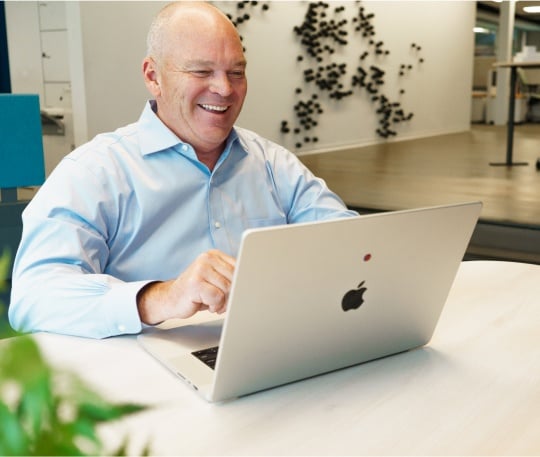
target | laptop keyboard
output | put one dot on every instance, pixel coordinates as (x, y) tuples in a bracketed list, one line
[(207, 356)]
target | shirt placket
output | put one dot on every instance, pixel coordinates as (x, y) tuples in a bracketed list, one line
[(216, 215)]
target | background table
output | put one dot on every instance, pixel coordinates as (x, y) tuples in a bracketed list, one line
[(511, 107), (475, 389)]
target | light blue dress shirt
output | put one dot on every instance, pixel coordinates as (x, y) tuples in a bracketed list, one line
[(136, 205)]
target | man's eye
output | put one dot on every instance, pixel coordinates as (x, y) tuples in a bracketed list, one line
[(201, 73), (237, 74)]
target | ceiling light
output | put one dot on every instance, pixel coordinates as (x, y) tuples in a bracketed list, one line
[(532, 9), (481, 30)]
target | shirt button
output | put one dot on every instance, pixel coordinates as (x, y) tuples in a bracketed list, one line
[(121, 328), (217, 225), (184, 148)]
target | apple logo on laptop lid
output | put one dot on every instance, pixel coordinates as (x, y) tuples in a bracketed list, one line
[(354, 298)]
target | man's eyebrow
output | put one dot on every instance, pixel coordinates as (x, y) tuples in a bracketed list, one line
[(209, 63)]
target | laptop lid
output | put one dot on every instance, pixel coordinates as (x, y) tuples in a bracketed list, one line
[(315, 297)]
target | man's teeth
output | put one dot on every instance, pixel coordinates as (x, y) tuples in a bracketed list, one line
[(215, 108)]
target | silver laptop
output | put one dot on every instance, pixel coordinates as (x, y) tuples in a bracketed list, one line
[(311, 298)]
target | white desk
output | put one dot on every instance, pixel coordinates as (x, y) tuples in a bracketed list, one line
[(474, 390)]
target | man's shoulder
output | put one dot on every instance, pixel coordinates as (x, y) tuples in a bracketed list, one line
[(105, 145), (253, 141)]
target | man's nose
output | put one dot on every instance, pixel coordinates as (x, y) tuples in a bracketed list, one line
[(221, 84)]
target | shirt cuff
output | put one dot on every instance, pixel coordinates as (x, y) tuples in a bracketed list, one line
[(124, 315)]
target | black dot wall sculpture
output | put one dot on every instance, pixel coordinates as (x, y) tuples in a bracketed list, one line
[(244, 12), (323, 30), (327, 28)]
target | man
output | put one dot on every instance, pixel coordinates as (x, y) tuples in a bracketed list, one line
[(143, 224)]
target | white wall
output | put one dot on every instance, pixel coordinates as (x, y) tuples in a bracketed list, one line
[(112, 37), (438, 91), (24, 47)]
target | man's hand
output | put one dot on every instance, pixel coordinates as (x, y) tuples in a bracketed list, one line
[(205, 285)]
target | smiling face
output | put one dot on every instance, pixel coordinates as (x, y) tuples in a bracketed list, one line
[(197, 77)]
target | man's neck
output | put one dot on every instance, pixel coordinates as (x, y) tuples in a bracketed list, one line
[(210, 159)]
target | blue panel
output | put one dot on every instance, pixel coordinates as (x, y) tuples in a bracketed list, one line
[(21, 141)]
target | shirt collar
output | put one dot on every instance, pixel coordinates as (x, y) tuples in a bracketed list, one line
[(154, 135)]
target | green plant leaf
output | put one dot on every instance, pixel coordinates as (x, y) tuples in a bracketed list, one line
[(36, 407), (5, 264), (57, 441), (13, 439), (21, 359), (33, 420), (103, 412)]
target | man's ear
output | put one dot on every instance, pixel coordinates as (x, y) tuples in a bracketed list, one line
[(151, 76)]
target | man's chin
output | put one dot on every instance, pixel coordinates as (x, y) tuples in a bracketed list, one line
[(216, 134)]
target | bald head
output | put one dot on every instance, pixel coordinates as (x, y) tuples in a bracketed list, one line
[(191, 19), (195, 71)]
